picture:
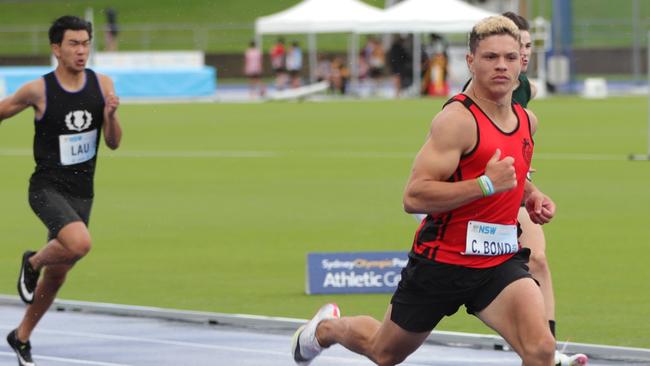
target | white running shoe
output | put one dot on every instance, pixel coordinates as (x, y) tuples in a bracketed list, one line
[(565, 360), (304, 345)]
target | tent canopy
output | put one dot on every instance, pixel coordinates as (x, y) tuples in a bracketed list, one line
[(425, 16), (317, 16)]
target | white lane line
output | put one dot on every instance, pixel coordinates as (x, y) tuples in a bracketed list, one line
[(67, 361), (574, 156), (193, 154), (180, 344), (165, 154), (351, 359), (156, 154), (157, 341), (334, 154)]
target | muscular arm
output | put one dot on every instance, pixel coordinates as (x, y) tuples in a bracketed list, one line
[(28, 95), (427, 190), (453, 133), (112, 128)]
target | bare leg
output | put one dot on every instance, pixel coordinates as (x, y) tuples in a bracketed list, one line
[(57, 257), (384, 343), (517, 314), (258, 87), (71, 244), (397, 84), (533, 237), (251, 87), (46, 291)]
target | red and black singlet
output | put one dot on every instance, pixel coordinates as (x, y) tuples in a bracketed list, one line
[(442, 237)]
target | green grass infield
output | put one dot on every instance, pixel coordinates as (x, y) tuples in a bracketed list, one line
[(214, 207)]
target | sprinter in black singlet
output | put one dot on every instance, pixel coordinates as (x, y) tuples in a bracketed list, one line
[(72, 107)]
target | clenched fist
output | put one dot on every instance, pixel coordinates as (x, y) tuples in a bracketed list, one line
[(501, 172)]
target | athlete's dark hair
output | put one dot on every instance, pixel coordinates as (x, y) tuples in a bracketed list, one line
[(68, 22), (520, 21)]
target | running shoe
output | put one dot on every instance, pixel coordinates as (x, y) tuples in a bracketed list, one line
[(565, 360), (27, 279), (304, 345), (23, 350)]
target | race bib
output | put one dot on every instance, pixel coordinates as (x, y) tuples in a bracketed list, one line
[(77, 148), (490, 239)]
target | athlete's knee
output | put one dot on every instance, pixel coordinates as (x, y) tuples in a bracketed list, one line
[(540, 352), (80, 247), (76, 239), (387, 355), (389, 358)]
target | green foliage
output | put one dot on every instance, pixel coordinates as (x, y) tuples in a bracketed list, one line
[(214, 207), (213, 26), (226, 26)]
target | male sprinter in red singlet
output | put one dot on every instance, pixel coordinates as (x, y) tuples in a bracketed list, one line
[(72, 107), (532, 235), (470, 177)]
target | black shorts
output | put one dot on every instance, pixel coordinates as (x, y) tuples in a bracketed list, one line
[(56, 210), (430, 290)]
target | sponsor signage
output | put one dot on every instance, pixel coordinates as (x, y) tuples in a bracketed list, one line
[(354, 272)]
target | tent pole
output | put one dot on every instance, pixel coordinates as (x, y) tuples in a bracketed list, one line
[(353, 57), (311, 39), (258, 41), (417, 65)]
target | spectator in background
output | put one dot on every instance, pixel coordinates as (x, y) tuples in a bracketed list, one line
[(294, 63), (435, 80), (278, 63), (253, 70), (398, 60), (111, 29), (435, 68), (323, 69), (363, 68), (376, 62), (340, 74), (364, 59)]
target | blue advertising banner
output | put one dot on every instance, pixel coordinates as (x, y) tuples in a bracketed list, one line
[(354, 273)]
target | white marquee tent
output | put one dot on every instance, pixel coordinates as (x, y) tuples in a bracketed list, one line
[(316, 16), (424, 16), (355, 17)]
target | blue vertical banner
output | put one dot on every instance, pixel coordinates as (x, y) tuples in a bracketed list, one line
[(560, 60), (354, 272)]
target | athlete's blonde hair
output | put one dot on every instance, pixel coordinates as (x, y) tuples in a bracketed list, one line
[(490, 26)]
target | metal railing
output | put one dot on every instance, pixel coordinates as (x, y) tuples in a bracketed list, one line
[(32, 40), (233, 37)]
